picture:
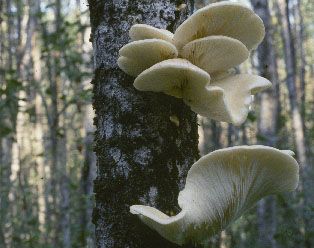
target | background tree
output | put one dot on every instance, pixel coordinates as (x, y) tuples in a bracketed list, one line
[(268, 121)]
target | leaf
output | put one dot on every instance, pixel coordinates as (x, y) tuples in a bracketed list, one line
[(251, 117), (32, 222), (260, 137), (4, 131)]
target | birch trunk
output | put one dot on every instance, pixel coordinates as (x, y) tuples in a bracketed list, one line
[(142, 157), (39, 136)]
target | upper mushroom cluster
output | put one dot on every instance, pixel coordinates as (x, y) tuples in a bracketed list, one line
[(196, 62)]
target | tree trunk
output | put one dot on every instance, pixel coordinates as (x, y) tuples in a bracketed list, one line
[(210, 133), (88, 174), (39, 137), (142, 157), (298, 131), (267, 121), (301, 72), (64, 188), (289, 54)]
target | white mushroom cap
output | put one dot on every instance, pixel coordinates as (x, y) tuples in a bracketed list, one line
[(175, 77), (137, 56), (219, 188), (222, 74), (215, 53), (232, 98), (144, 31), (223, 18)]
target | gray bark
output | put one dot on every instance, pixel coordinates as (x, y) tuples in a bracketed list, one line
[(267, 122), (142, 157)]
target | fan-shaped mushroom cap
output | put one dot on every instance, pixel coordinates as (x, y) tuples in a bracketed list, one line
[(137, 56), (234, 98), (219, 188), (144, 31), (224, 18), (215, 53), (175, 77)]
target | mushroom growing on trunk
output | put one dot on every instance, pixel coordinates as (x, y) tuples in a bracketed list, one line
[(144, 31), (223, 18), (206, 46), (138, 56), (219, 188)]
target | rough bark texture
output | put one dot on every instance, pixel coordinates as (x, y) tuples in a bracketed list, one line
[(267, 125), (142, 157)]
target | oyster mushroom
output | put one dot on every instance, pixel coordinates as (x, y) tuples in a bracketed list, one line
[(223, 18), (228, 99), (144, 31), (215, 53), (137, 56), (175, 77), (219, 188)]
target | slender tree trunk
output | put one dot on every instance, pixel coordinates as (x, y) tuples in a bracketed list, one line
[(301, 72), (142, 157), (54, 129), (87, 176), (210, 133), (289, 54), (230, 134), (6, 142), (9, 34), (38, 138), (216, 134), (50, 160), (64, 188), (298, 131), (267, 122)]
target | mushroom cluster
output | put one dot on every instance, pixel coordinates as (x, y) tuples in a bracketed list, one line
[(197, 62), (219, 188)]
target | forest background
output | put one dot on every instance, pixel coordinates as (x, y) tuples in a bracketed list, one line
[(47, 164)]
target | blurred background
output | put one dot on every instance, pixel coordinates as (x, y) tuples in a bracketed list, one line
[(47, 164)]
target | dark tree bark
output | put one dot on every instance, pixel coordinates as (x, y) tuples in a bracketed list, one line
[(142, 157), (267, 122)]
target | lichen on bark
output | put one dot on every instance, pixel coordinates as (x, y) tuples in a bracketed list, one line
[(142, 156)]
